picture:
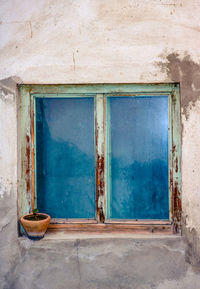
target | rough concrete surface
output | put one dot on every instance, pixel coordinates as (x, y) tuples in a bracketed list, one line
[(99, 41), (111, 263)]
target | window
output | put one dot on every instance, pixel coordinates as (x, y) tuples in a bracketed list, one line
[(102, 157)]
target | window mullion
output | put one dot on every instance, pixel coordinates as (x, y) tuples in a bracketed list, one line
[(100, 184)]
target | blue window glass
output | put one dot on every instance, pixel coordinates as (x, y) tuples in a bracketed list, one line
[(138, 157), (65, 157)]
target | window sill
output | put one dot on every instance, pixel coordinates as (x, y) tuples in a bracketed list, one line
[(114, 227), (64, 235)]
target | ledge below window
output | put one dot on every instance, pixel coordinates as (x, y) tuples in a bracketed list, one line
[(114, 227), (74, 235)]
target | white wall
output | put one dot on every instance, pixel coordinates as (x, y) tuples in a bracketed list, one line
[(96, 41)]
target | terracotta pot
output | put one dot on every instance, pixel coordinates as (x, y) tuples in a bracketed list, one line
[(35, 229)]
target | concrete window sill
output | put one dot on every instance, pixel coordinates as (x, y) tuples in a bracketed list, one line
[(84, 235)]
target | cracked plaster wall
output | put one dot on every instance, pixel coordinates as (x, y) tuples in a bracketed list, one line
[(8, 179), (99, 41)]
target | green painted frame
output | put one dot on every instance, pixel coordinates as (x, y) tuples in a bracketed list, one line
[(26, 191)]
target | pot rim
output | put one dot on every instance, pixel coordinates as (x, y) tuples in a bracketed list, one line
[(37, 221)]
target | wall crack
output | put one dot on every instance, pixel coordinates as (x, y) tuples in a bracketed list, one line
[(4, 227), (77, 242)]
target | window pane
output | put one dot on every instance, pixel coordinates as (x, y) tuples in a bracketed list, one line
[(65, 157), (138, 157)]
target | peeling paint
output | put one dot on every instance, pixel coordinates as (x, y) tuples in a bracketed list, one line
[(28, 165), (100, 188), (177, 209), (99, 137), (176, 167)]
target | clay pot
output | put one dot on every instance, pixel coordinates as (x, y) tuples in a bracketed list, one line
[(35, 229)]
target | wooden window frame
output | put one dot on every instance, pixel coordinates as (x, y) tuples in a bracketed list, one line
[(26, 168)]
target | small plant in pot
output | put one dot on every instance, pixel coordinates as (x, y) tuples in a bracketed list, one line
[(35, 224)]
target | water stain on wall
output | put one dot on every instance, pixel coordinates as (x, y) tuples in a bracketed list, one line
[(192, 252), (184, 70), (187, 72)]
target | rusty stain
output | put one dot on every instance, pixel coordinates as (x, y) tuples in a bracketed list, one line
[(100, 174), (171, 177), (101, 215), (173, 148), (99, 180), (33, 164), (173, 98), (176, 165), (177, 207), (28, 156), (171, 186), (100, 187)]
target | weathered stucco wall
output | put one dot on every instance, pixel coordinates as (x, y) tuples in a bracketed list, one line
[(97, 41)]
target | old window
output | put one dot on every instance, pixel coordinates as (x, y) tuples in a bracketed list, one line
[(102, 157)]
